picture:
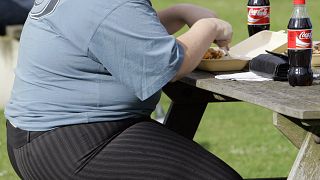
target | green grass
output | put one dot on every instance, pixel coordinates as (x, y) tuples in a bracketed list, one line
[(239, 133), (234, 11), (242, 135)]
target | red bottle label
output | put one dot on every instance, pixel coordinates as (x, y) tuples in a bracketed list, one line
[(300, 39), (258, 15)]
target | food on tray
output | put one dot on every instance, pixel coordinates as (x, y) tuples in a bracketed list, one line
[(213, 53), (316, 48)]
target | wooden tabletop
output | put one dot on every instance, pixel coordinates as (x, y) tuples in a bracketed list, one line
[(280, 97)]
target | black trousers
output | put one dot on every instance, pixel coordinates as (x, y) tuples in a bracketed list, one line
[(128, 149)]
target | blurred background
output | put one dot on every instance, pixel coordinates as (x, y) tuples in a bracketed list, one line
[(239, 133)]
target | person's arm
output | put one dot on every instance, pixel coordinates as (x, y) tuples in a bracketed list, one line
[(205, 29), (175, 17), (198, 39)]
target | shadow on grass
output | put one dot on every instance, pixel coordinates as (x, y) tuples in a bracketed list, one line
[(205, 144)]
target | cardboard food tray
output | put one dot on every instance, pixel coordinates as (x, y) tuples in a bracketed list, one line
[(241, 53), (315, 57), (315, 60), (223, 64)]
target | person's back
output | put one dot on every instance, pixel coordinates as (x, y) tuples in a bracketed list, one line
[(60, 80)]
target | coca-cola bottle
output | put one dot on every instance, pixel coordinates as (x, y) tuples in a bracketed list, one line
[(258, 16), (300, 46)]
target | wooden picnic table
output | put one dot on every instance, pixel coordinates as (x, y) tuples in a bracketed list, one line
[(296, 111)]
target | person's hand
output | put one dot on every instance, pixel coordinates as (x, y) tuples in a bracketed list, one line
[(224, 33), (198, 39), (221, 29)]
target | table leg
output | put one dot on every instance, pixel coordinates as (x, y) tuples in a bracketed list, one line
[(187, 107), (184, 118), (307, 164), (292, 128)]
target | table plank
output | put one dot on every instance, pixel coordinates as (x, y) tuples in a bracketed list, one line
[(292, 128), (306, 166), (298, 102)]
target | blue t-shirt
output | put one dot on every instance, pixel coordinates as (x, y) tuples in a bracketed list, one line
[(86, 61)]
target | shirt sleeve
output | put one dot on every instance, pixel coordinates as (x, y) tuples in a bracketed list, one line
[(136, 49)]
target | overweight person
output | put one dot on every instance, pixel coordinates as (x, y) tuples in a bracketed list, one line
[(89, 75)]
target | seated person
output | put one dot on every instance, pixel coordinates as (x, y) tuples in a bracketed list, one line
[(89, 75)]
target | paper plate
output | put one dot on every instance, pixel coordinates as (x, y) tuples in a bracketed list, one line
[(241, 53), (222, 64)]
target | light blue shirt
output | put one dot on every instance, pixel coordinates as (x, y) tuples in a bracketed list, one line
[(84, 61)]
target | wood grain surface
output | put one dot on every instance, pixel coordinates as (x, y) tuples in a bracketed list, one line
[(280, 97)]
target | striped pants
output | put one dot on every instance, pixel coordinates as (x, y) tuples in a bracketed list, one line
[(127, 149)]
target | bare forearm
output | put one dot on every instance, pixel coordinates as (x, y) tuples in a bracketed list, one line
[(198, 39), (195, 43), (175, 17)]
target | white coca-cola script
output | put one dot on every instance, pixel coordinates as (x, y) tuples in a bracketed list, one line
[(304, 35), (258, 15), (258, 12), (299, 39)]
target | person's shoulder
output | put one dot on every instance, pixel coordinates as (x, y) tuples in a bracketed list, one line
[(148, 2), (135, 2)]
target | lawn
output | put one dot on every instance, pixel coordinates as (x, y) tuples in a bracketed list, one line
[(239, 133)]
